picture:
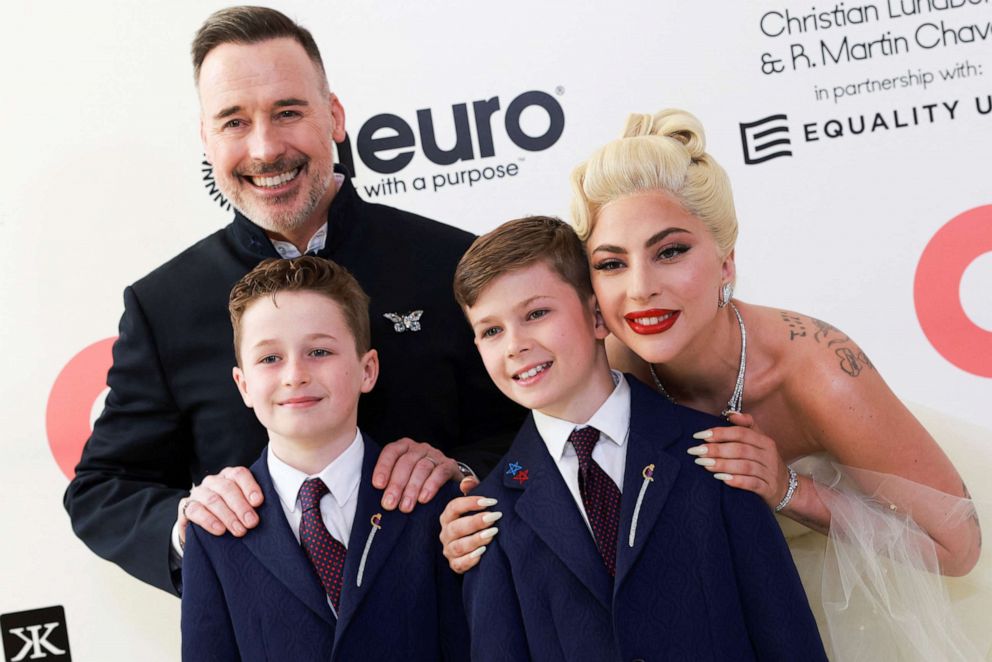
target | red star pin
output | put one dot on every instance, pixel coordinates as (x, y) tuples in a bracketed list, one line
[(521, 476)]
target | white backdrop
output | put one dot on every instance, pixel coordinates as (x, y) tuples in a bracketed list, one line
[(102, 182)]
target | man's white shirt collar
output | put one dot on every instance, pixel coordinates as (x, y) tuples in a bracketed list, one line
[(317, 242)]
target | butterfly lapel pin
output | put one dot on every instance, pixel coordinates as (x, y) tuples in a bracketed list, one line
[(410, 321)]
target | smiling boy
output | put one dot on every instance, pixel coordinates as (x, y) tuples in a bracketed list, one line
[(327, 574), (611, 545)]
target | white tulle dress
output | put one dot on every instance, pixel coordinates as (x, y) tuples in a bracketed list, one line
[(872, 582)]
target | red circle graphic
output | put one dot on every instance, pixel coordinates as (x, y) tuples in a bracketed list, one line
[(937, 291), (67, 416)]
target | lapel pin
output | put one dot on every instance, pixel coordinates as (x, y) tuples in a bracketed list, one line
[(512, 468), (648, 474), (521, 476), (401, 323), (376, 522)]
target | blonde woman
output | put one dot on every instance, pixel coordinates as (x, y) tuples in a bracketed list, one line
[(814, 430)]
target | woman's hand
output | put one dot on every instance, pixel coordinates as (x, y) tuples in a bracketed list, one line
[(464, 535), (744, 457)]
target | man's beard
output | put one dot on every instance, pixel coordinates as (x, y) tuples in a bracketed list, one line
[(271, 215)]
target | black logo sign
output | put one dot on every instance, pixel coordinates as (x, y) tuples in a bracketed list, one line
[(765, 139), (39, 634), (382, 135)]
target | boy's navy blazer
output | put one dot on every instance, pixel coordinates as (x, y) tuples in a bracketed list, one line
[(259, 598), (706, 575)]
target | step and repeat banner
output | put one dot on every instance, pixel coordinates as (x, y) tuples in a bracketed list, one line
[(857, 137)]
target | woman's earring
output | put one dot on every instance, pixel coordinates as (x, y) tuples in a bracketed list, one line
[(726, 292)]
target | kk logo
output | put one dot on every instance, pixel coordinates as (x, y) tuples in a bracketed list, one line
[(39, 634), (765, 139)]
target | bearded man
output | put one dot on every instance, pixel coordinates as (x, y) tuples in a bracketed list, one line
[(173, 417)]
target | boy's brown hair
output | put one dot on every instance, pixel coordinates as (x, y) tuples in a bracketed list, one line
[(303, 274), (517, 244)]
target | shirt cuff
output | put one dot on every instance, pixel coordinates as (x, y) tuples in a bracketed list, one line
[(176, 551)]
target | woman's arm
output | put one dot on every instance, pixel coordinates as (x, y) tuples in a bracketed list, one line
[(842, 404), (860, 422)]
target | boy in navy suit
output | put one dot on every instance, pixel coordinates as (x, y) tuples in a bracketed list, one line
[(611, 546), (326, 575)]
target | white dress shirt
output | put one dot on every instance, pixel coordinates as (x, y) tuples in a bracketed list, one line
[(612, 419), (337, 507)]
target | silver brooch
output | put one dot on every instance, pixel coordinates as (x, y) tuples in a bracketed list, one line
[(401, 323)]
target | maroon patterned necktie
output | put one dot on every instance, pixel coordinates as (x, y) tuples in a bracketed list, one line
[(600, 496), (324, 551)]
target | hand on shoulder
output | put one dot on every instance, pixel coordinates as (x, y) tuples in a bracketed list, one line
[(222, 502), (411, 472)]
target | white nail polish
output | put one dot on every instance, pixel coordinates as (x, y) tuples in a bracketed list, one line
[(705, 434), (697, 450), (705, 461), (489, 518), (478, 552), (489, 533), (485, 502), (723, 477)]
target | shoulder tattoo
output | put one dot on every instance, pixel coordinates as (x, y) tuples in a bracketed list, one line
[(796, 324), (851, 359)]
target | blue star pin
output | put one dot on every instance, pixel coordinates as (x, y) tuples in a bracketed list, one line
[(513, 468)]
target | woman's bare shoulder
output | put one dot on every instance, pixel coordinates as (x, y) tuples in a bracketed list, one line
[(806, 344)]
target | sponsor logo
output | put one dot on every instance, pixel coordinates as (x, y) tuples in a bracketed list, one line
[(765, 139), (38, 634), (386, 143), (768, 138)]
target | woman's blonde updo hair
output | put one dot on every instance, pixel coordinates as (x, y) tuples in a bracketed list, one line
[(665, 151)]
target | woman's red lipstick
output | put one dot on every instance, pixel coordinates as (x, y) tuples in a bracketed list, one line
[(647, 322)]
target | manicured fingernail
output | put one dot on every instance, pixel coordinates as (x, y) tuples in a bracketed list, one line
[(697, 450), (407, 504), (723, 476), (237, 529), (250, 518), (489, 533), (217, 528), (389, 502), (479, 551), (485, 502), (379, 480), (705, 461), (704, 434), (489, 518), (255, 498)]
